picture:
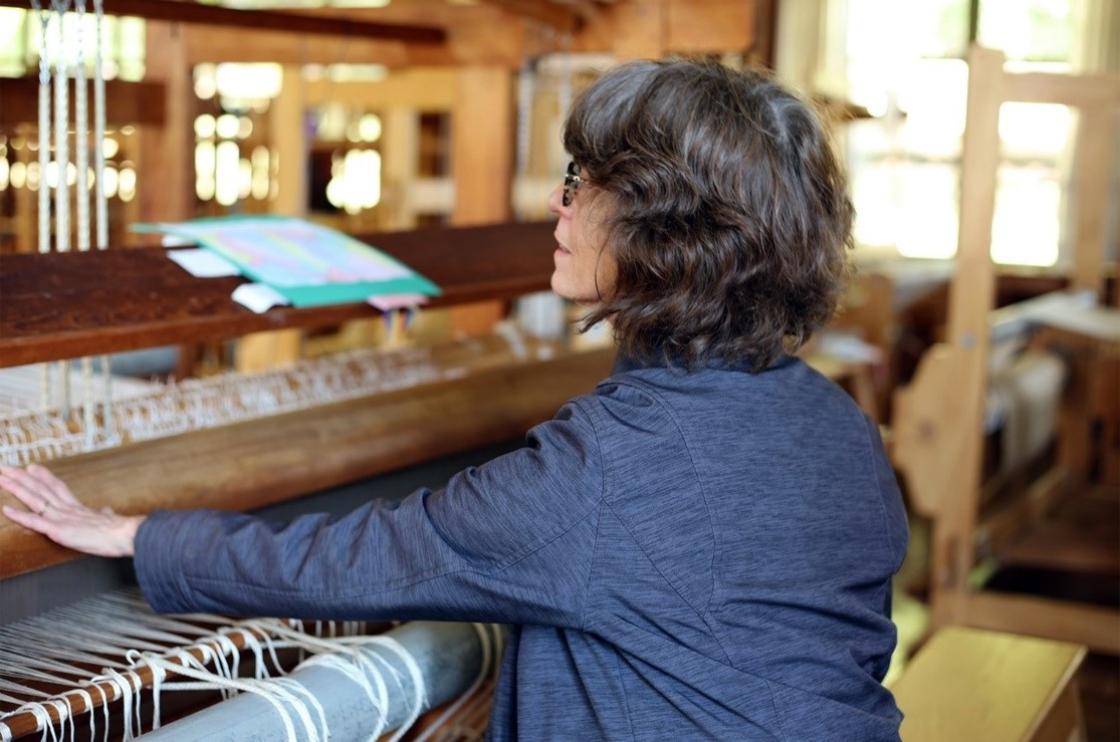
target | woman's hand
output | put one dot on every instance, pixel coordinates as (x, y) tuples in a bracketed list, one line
[(53, 511)]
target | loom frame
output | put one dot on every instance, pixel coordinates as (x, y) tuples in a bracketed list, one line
[(937, 435)]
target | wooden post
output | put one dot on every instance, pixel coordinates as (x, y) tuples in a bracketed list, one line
[(26, 221), (971, 300), (1093, 167), (938, 435), (265, 350), (165, 179), (482, 141), (399, 155), (165, 171)]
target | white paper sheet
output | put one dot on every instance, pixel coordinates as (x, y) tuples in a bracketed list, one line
[(203, 263), (257, 297)]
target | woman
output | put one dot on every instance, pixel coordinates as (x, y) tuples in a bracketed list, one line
[(703, 546)]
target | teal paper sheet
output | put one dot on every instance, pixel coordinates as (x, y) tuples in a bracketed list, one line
[(308, 264)]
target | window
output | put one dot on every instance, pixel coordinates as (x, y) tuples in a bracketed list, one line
[(905, 162)]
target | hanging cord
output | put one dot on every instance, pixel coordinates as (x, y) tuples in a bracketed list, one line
[(62, 162), (44, 164), (61, 131), (81, 162), (44, 126), (81, 129), (101, 208)]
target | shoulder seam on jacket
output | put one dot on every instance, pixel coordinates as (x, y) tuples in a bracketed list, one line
[(706, 612)]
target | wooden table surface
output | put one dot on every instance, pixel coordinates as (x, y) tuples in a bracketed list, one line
[(969, 684)]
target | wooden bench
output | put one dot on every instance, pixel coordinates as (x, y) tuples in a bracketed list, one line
[(969, 684)]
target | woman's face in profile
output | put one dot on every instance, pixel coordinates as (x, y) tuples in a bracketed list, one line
[(585, 271)]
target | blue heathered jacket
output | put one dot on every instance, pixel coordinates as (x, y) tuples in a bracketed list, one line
[(682, 556)]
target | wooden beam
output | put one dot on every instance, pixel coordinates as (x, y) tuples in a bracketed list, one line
[(166, 161), (938, 431), (563, 18), (482, 136), (400, 161), (1097, 134), (640, 29), (66, 305), (135, 103), (253, 20), (1064, 89), (222, 44), (709, 26), (257, 463), (482, 126), (1082, 623), (418, 89)]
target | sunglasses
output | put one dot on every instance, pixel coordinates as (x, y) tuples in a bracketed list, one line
[(572, 182)]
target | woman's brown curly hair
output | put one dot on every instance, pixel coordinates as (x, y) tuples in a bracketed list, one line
[(728, 218)]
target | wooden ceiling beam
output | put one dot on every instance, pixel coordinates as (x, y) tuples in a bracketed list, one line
[(266, 20), (125, 102), (414, 88), (563, 18), (219, 44)]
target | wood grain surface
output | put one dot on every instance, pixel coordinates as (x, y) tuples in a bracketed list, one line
[(968, 684)]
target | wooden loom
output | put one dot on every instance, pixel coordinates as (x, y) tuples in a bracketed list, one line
[(490, 390), (496, 389), (938, 438)]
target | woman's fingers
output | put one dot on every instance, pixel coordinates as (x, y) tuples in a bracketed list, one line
[(25, 494), (53, 484), (27, 519), (20, 479)]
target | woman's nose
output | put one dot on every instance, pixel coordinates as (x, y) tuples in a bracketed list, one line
[(556, 202)]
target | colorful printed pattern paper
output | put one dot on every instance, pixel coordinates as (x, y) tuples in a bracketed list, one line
[(308, 264)]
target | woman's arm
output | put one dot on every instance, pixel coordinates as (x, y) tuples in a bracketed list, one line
[(508, 541)]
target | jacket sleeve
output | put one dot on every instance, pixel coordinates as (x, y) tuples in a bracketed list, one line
[(509, 541)]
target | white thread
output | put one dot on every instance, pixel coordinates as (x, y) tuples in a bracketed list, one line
[(61, 133), (81, 130), (44, 163), (210, 681), (198, 404), (44, 126), (99, 137), (65, 634)]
